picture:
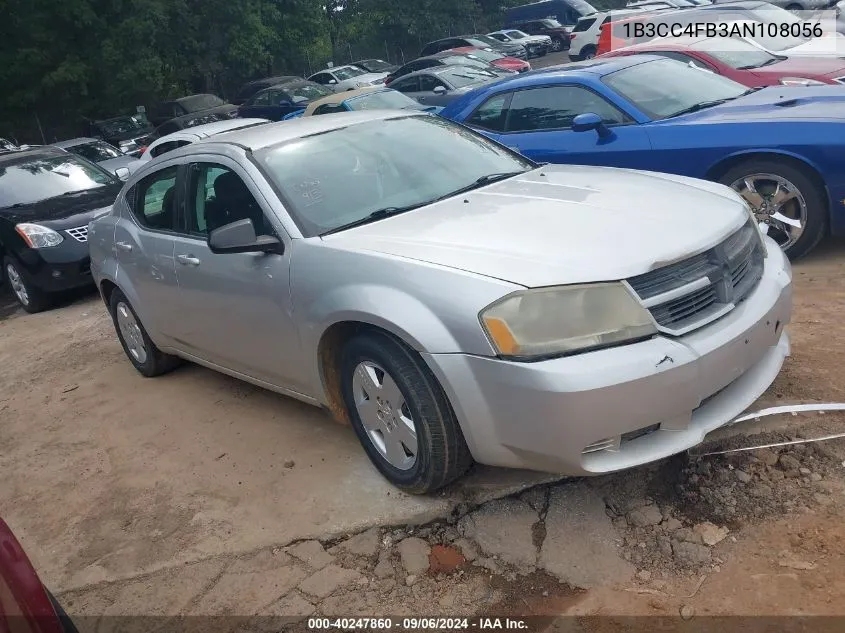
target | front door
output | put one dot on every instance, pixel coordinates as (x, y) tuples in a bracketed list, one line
[(235, 309)]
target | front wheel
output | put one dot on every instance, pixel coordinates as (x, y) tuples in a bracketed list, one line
[(557, 45), (31, 298), (401, 414), (786, 201)]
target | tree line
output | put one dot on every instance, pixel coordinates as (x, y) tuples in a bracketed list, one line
[(62, 62)]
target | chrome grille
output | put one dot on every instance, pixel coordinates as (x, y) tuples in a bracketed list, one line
[(80, 233), (691, 293)]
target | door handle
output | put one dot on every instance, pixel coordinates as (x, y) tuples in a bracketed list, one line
[(188, 260), (123, 246)]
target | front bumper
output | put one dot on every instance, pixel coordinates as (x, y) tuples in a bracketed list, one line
[(58, 268), (632, 404)]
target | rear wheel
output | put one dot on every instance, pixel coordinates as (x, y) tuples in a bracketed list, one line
[(401, 414), (557, 44), (794, 8), (139, 348), (588, 52), (32, 299), (786, 201)]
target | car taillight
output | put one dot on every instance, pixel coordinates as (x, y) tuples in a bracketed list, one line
[(572, 36), (141, 151)]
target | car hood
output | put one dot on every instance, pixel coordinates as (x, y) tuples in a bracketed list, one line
[(560, 225), (831, 46), (777, 103), (68, 211), (802, 66)]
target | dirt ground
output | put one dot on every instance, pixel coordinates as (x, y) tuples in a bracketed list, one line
[(198, 494)]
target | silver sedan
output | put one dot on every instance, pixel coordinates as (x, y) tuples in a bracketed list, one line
[(449, 298)]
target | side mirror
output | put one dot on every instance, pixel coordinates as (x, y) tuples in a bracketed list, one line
[(332, 82), (590, 121), (239, 237), (439, 90), (122, 173)]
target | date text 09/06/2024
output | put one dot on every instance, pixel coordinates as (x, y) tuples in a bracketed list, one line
[(752, 30), (416, 624)]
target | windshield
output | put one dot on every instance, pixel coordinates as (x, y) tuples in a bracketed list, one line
[(464, 60), (516, 35), (663, 88), (96, 152), (332, 179), (467, 76), (348, 72), (382, 100), (375, 65), (777, 43), (735, 53), (37, 178), (196, 103), (123, 125), (487, 56), (307, 92)]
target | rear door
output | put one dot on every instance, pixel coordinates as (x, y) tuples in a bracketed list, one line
[(143, 243), (537, 122)]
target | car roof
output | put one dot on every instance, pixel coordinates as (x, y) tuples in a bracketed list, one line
[(210, 129), (340, 97), (76, 141), (274, 81), (275, 133), (17, 155), (596, 67)]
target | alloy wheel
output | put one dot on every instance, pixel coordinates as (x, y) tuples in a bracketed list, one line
[(778, 205), (131, 332), (385, 415), (17, 283)]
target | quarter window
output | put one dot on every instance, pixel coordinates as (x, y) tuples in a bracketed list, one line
[(155, 200), (217, 197), (555, 107)]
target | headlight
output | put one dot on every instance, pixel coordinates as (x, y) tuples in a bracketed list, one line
[(565, 319), (800, 81), (37, 236)]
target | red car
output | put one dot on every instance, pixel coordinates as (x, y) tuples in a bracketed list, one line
[(25, 604), (743, 62), (496, 59)]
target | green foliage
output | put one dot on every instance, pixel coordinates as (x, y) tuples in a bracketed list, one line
[(64, 61)]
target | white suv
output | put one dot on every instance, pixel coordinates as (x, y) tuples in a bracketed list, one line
[(584, 39)]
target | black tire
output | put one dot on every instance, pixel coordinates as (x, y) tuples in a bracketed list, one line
[(588, 52), (817, 212), (794, 8), (442, 453), (37, 299), (156, 362)]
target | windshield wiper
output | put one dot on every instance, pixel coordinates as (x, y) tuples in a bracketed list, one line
[(768, 62), (700, 106), (387, 212), (752, 90), (480, 182), (380, 214)]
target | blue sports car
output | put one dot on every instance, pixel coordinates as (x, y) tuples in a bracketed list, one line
[(781, 148)]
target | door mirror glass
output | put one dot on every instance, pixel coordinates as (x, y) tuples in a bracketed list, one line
[(590, 121), (122, 173), (239, 237)]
